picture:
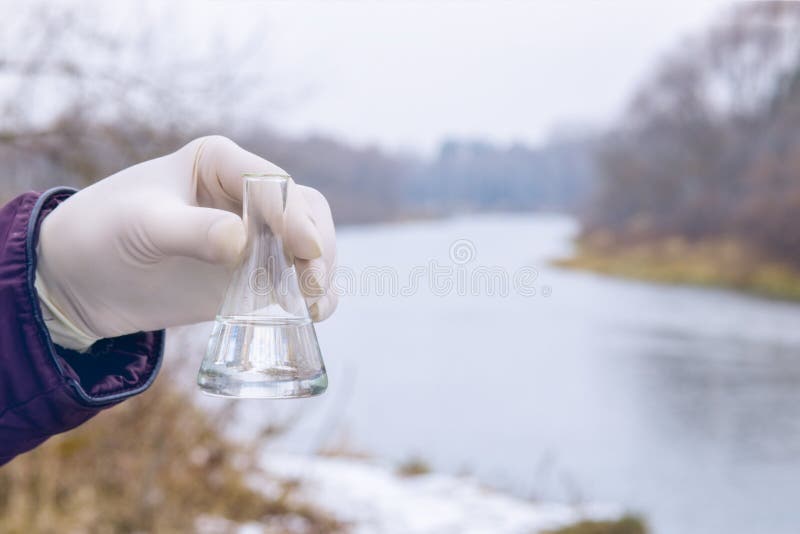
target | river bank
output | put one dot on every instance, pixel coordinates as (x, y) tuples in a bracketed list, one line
[(725, 262)]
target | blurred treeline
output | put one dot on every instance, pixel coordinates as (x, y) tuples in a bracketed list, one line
[(368, 184), (709, 148), (79, 103), (471, 176)]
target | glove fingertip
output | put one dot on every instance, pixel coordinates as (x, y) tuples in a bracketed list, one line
[(324, 307), (305, 240), (226, 239)]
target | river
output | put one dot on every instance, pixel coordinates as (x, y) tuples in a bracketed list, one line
[(679, 403)]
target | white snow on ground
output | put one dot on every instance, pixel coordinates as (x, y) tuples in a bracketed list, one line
[(374, 499)]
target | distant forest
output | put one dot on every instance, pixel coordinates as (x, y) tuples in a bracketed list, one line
[(365, 185)]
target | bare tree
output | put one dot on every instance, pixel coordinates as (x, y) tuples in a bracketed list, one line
[(79, 101), (707, 147)]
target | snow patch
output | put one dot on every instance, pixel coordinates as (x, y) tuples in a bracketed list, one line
[(375, 499)]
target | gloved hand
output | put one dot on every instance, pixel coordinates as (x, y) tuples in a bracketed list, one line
[(155, 245)]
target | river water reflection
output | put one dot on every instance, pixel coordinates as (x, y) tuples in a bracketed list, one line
[(680, 403)]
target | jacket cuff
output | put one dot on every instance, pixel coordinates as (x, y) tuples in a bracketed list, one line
[(112, 369)]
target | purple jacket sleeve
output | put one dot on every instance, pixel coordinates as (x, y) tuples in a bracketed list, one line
[(46, 389)]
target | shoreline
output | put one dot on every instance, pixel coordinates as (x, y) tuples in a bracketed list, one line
[(726, 263)]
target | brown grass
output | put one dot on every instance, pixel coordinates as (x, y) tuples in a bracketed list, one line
[(625, 525), (723, 262), (414, 466), (156, 463)]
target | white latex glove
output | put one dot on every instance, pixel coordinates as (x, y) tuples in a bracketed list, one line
[(155, 244)]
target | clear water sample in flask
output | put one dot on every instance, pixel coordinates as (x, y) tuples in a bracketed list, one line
[(263, 344)]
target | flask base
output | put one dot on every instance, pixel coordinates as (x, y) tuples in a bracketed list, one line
[(255, 385), (263, 358)]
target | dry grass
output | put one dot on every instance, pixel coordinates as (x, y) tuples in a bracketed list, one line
[(156, 463), (625, 525), (414, 466), (724, 262)]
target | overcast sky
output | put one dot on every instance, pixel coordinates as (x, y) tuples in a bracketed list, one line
[(406, 74)]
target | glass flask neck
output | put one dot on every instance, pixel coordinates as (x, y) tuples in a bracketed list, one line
[(264, 204), (265, 284)]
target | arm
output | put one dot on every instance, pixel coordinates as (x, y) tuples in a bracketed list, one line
[(46, 389)]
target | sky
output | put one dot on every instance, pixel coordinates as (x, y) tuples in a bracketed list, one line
[(407, 74)]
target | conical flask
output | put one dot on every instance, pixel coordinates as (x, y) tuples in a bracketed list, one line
[(263, 344)]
